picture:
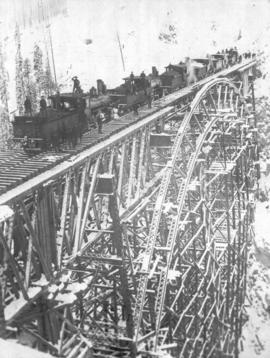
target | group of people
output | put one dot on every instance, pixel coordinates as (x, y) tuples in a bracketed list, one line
[(116, 113), (137, 83), (234, 55), (132, 77), (113, 113), (28, 106), (43, 104)]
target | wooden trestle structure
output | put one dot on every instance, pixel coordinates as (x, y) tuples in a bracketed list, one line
[(138, 245)]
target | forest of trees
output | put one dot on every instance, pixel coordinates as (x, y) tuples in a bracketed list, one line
[(33, 78), (5, 125)]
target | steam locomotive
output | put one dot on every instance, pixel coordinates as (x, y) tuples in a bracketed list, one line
[(71, 114)]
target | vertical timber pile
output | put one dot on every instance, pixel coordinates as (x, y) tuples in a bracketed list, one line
[(140, 247), (6, 226)]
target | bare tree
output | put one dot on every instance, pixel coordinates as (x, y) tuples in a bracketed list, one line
[(5, 125), (20, 91), (30, 86)]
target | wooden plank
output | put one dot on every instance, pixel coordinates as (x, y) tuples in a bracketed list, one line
[(219, 97), (132, 169), (121, 171), (89, 199), (8, 180), (97, 218), (20, 170), (62, 332), (80, 211), (12, 175), (35, 240), (28, 262), (61, 233), (14, 267), (141, 163)]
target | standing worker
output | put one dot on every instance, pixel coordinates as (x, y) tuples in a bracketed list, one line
[(135, 109), (76, 85), (58, 101), (149, 97), (28, 106), (43, 104), (115, 113), (143, 75), (100, 119), (132, 77), (121, 111)]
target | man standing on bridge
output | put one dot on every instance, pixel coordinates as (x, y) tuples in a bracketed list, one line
[(149, 97), (135, 109), (76, 85), (28, 106), (115, 113), (43, 106), (132, 78), (100, 119)]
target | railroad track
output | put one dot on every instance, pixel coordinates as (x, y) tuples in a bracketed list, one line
[(16, 166)]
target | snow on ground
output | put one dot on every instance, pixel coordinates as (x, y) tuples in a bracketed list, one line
[(5, 213), (256, 340), (16, 305), (11, 349)]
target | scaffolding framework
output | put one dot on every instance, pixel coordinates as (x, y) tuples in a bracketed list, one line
[(139, 247)]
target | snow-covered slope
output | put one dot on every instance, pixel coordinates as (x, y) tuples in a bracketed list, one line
[(12, 349)]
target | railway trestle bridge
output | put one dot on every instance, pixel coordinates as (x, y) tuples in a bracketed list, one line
[(137, 246)]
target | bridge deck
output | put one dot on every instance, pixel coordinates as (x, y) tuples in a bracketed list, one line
[(20, 173)]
